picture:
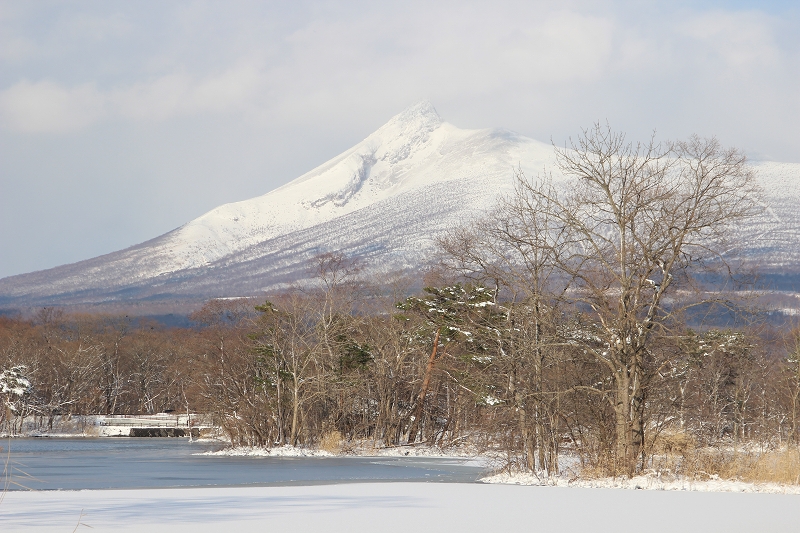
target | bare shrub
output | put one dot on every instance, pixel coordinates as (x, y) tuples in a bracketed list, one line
[(331, 442)]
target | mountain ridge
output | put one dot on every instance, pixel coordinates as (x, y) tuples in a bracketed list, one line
[(383, 200)]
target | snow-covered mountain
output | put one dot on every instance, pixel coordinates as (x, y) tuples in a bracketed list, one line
[(384, 200)]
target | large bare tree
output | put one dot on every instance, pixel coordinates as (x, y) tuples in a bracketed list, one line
[(620, 237), (638, 220)]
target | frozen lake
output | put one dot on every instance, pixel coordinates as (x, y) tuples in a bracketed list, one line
[(123, 463), (209, 494)]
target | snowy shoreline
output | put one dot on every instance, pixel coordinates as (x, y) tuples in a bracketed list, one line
[(467, 455), (362, 451), (641, 482)]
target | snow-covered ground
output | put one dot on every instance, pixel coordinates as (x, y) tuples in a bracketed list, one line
[(648, 482), (280, 451), (390, 507), (471, 455)]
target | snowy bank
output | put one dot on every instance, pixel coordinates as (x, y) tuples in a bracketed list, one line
[(471, 457), (646, 482), (278, 451)]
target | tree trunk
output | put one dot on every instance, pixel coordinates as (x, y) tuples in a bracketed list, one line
[(295, 410), (426, 380), (628, 408)]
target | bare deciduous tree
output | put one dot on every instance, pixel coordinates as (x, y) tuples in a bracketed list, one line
[(621, 238), (636, 220)]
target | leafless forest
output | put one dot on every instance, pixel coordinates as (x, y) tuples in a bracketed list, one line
[(576, 322)]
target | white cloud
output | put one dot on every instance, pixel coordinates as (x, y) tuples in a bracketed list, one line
[(567, 47), (15, 48), (384, 57), (739, 39), (180, 94), (49, 107), (89, 26), (170, 96)]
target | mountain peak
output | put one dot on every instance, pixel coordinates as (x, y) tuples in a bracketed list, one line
[(384, 200), (422, 109), (420, 116)]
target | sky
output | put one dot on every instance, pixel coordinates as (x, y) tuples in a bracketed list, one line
[(120, 121)]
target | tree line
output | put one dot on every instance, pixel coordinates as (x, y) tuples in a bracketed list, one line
[(569, 318)]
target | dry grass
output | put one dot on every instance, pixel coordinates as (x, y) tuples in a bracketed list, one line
[(773, 466), (678, 454), (331, 442)]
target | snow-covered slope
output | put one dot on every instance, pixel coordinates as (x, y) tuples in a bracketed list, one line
[(384, 200), (413, 150), (773, 240)]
